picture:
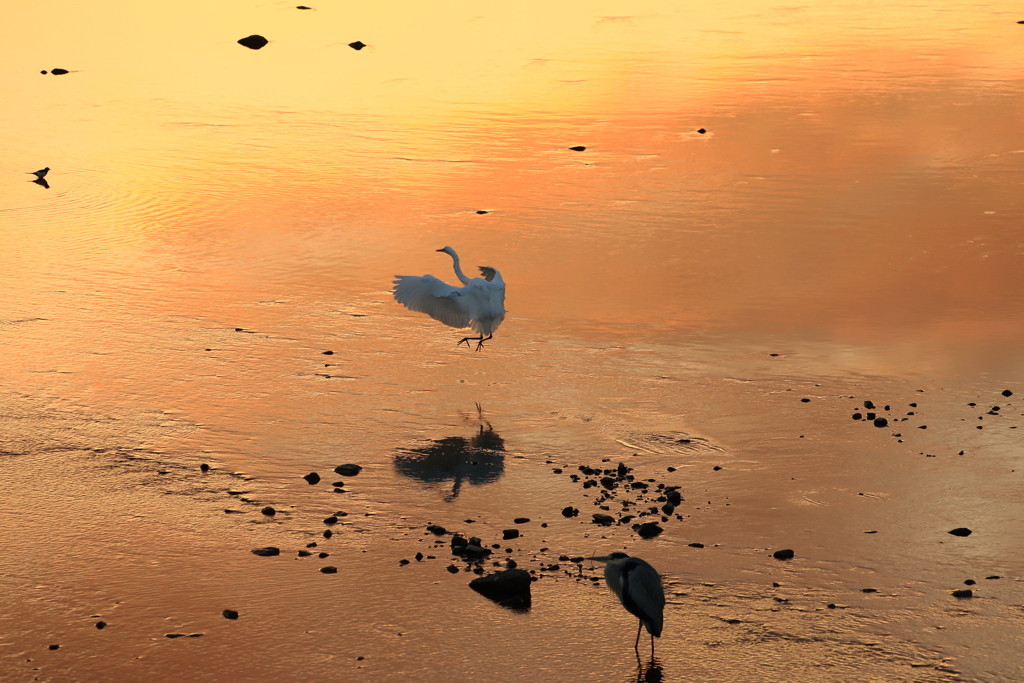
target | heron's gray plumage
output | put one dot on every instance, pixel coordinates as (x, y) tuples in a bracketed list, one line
[(638, 587)]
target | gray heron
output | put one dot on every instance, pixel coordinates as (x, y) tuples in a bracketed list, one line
[(638, 587), (479, 304)]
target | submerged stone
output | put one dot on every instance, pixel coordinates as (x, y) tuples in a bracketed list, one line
[(253, 42)]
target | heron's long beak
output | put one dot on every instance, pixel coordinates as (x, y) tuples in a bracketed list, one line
[(439, 250), (602, 558)]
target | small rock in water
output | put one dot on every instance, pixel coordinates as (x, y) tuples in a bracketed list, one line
[(509, 534), (805, 400), (503, 585), (269, 551), (305, 553), (702, 131), (175, 635), (716, 468), (437, 530), (996, 576), (961, 531), (869, 405), (58, 72), (452, 569), (964, 593), (649, 530), (419, 557), (857, 416), (331, 520), (482, 212), (881, 422), (323, 555), (868, 590), (348, 470), (253, 42), (302, 7), (358, 45), (1007, 392), (328, 570), (403, 562), (313, 478), (44, 72), (570, 511), (204, 467), (55, 647), (337, 484), (269, 511), (603, 520), (230, 614), (785, 554), (521, 520), (578, 148), (101, 625), (696, 545), (328, 533), (970, 582), (328, 353)]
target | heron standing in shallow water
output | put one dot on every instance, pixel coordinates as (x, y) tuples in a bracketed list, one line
[(480, 304), (638, 587)]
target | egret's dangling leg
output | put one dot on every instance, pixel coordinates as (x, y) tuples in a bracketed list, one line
[(479, 341)]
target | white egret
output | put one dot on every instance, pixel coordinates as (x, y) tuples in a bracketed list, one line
[(480, 304), (638, 587)]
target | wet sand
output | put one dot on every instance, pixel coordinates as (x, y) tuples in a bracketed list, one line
[(710, 309)]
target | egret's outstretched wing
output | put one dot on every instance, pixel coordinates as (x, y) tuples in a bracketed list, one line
[(429, 295)]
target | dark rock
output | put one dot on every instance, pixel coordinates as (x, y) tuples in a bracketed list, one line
[(58, 72), (521, 520), (578, 148), (304, 553), (805, 400), (328, 533), (323, 555), (702, 131), (358, 45), (175, 635), (716, 468), (482, 212), (269, 511), (557, 470), (674, 497), (509, 534), (43, 72), (311, 545), (437, 530), (419, 557), (570, 511), (304, 7), (857, 416), (503, 585), (968, 582), (608, 482), (870, 416), (649, 530), (331, 520), (452, 569), (696, 545), (348, 470), (869, 405), (337, 484), (328, 570), (1007, 392), (328, 353), (868, 590), (204, 467), (785, 554), (101, 625), (230, 614), (403, 562), (668, 508), (913, 405), (881, 422), (923, 427), (961, 531), (253, 42), (993, 577), (54, 647), (964, 593), (269, 551), (603, 520), (313, 478)]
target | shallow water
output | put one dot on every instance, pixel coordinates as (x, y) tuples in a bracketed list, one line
[(845, 229)]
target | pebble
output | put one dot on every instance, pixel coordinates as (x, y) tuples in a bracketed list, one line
[(702, 131), (437, 530), (881, 422), (482, 212), (331, 520), (269, 551), (578, 148), (868, 590), (328, 570), (961, 531), (419, 557), (253, 42), (968, 582), (869, 405), (55, 647), (269, 511), (696, 545), (521, 520), (204, 467), (348, 470), (785, 554), (313, 478), (452, 569), (649, 530), (58, 72), (328, 533), (570, 511), (230, 614), (358, 45), (504, 585), (403, 562), (603, 520), (1007, 393), (328, 353), (304, 553), (509, 534), (964, 593), (716, 468), (323, 555), (805, 400), (101, 625)]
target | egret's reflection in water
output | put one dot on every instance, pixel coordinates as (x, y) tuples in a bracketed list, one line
[(479, 460)]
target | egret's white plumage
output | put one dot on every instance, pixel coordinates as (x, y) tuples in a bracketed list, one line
[(478, 304), (638, 587)]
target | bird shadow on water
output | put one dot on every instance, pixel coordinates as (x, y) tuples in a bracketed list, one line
[(651, 672), (479, 459)]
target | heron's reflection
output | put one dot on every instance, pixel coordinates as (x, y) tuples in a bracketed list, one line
[(651, 672), (480, 459)]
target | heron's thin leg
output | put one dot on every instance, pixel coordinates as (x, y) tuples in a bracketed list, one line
[(652, 646), (636, 645)]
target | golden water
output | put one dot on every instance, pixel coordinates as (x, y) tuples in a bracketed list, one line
[(219, 217)]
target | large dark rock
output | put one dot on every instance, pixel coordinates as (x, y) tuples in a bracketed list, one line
[(348, 470), (269, 551), (965, 593), (230, 614), (649, 530), (509, 534), (313, 478), (504, 585), (358, 45), (785, 554), (961, 531), (603, 520), (570, 511), (253, 42), (437, 530)]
